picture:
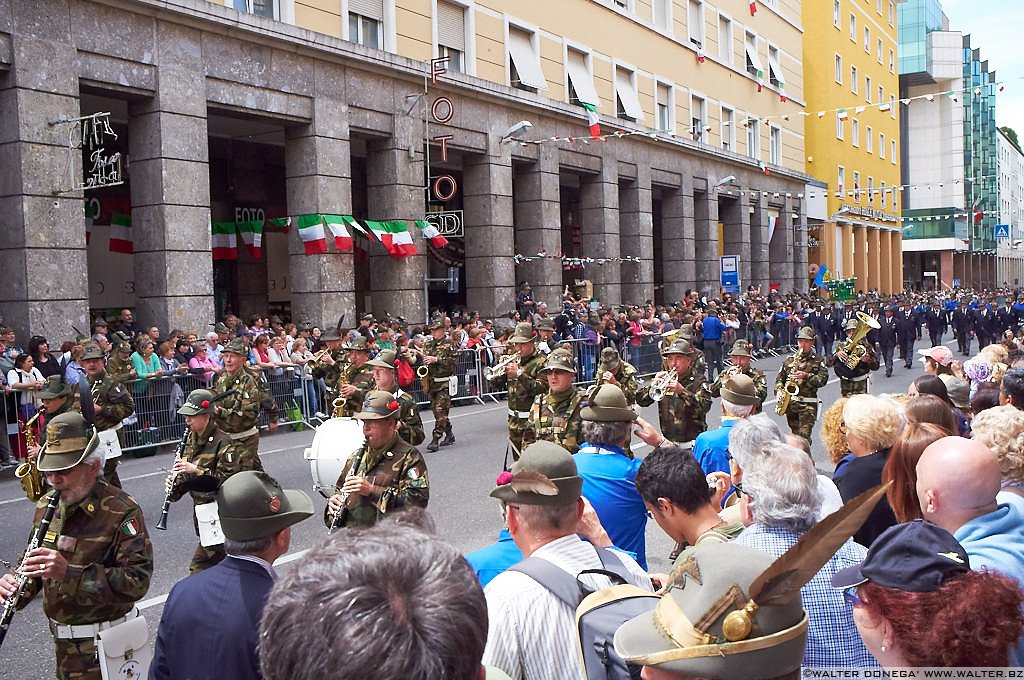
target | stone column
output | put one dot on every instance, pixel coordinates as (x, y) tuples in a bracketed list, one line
[(538, 225), (677, 243), (637, 237), (43, 266), (599, 205), (490, 232), (781, 251), (800, 252), (735, 217), (170, 187), (705, 237), (885, 259), (319, 181), (394, 184), (759, 270)]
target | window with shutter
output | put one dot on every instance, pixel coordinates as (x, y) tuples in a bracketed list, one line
[(451, 34)]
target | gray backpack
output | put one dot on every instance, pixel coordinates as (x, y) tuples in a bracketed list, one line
[(598, 613)]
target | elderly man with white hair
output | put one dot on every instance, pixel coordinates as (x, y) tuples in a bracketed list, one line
[(739, 400), (213, 347), (779, 502)]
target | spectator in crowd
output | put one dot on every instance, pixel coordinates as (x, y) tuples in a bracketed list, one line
[(25, 378), (183, 351), (1001, 429), (39, 350), (739, 401), (301, 357), (73, 372), (928, 408), (531, 632), (210, 624), (126, 323), (146, 363), (409, 607), (1011, 389), (872, 426), (214, 347), (832, 435), (901, 468), (202, 362), (780, 503), (917, 603), (169, 364)]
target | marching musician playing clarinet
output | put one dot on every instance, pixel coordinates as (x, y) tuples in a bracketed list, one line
[(113, 403), (384, 475), (209, 451)]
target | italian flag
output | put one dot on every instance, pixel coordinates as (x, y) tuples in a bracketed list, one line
[(342, 239), (592, 120), (351, 221), (760, 80), (311, 230), (782, 92), (223, 241), (884, 107), (252, 234), (753, 7), (842, 114), (394, 236), (431, 232), (764, 167), (121, 233)]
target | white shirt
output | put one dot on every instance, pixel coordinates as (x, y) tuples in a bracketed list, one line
[(531, 634)]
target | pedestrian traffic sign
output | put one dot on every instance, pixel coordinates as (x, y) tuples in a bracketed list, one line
[(730, 273), (1002, 231), (956, 283)]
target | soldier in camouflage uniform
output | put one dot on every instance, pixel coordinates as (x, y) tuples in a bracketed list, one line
[(853, 380), (439, 355), (331, 365), (58, 397), (546, 335), (238, 415), (614, 371), (740, 356), (209, 452), (810, 374), (524, 382), (112, 402), (555, 415), (119, 366), (96, 559), (684, 410), (410, 426), (385, 474), (700, 362), (356, 377)]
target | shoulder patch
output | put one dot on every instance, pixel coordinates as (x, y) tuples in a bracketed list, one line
[(130, 527)]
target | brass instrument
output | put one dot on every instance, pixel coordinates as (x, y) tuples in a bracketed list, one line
[(28, 472), (423, 373), (854, 350), (790, 389), (498, 369), (319, 357), (660, 383), (11, 603)]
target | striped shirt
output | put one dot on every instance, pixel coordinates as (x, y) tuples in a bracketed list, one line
[(531, 634)]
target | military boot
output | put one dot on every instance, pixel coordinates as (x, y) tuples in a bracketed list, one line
[(449, 437), (432, 446)]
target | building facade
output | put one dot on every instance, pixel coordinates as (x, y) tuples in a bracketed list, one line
[(950, 169), (245, 113), (852, 132), (1010, 250)]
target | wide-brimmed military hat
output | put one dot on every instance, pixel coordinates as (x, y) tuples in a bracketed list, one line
[(99, 321), (252, 505), (54, 386), (739, 389), (544, 475), (69, 439), (92, 350), (359, 344), (679, 346), (686, 331), (685, 633), (608, 405), (436, 323), (545, 323), (305, 325), (237, 346), (609, 357), (523, 333), (123, 347), (740, 348), (851, 324), (331, 334), (276, 319), (385, 359), (805, 333), (198, 402), (560, 360), (378, 405), (220, 327), (366, 317)]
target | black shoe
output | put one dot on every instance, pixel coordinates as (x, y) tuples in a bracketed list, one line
[(910, 366), (888, 373), (432, 446), (449, 438)]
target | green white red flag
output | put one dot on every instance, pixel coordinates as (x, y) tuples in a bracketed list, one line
[(121, 233), (592, 120), (223, 241), (342, 239), (252, 234), (311, 230), (431, 232)]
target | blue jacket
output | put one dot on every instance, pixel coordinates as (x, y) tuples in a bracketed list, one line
[(713, 328), (608, 485), (210, 625), (490, 561), (710, 448)]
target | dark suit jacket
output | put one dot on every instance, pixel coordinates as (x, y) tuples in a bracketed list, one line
[(908, 325), (887, 332), (210, 625)]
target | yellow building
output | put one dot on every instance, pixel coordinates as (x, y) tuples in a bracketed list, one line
[(852, 138)]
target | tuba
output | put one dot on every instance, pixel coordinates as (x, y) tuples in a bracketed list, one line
[(28, 473), (790, 389), (854, 350)]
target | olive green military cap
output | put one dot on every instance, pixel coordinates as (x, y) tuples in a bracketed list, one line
[(739, 389), (92, 351), (378, 405), (805, 333), (523, 333), (69, 440), (237, 346), (252, 505), (544, 475), (543, 324), (220, 327), (54, 386), (359, 344), (331, 334), (99, 321), (679, 346), (608, 405), (560, 360), (366, 317), (436, 323), (851, 324), (384, 359), (305, 325), (276, 319), (740, 348), (609, 357), (199, 402)]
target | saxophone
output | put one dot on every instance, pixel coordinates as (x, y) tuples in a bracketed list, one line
[(790, 389), (28, 472)]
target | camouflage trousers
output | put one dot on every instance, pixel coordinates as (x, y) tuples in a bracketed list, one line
[(249, 445), (76, 660), (848, 388), (801, 417), (516, 429), (204, 558), (440, 404)]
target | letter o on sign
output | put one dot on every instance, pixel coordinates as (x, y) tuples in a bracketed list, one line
[(445, 105), (449, 186)]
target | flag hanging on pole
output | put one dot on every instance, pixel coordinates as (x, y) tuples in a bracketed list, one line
[(764, 167), (121, 233), (223, 242), (431, 232), (252, 235), (592, 120), (311, 230)]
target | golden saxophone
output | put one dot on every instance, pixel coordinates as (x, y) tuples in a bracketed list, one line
[(28, 472), (790, 388)]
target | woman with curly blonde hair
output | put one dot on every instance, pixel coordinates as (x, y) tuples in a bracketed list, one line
[(832, 434), (1001, 429)]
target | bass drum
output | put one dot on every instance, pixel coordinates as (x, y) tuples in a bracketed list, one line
[(336, 440)]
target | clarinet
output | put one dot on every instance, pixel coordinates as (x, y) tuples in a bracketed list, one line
[(11, 604), (336, 517), (178, 455)]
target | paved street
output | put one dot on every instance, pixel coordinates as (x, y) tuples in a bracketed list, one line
[(461, 477)]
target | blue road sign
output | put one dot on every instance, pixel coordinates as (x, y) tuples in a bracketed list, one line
[(1002, 231), (730, 273)]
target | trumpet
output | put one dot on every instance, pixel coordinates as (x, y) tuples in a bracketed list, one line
[(319, 356), (28, 473), (498, 369), (660, 383)]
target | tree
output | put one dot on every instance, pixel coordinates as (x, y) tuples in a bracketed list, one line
[(1011, 134)]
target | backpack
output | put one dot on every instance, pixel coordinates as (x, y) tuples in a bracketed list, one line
[(598, 613), (406, 376)]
